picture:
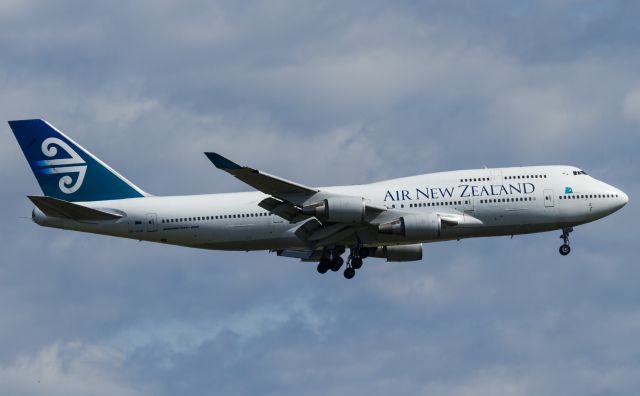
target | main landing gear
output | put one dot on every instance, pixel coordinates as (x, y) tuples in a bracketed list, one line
[(565, 248), (331, 260), (355, 260)]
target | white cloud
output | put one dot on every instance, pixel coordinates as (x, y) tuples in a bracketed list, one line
[(175, 337), (68, 369)]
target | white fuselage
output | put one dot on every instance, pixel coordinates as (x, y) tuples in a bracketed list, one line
[(493, 202)]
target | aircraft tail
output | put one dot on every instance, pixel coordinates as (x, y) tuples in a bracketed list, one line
[(64, 169)]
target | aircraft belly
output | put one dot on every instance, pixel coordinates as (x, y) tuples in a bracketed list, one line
[(255, 244)]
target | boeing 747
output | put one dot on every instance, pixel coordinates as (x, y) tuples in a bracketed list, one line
[(389, 219)]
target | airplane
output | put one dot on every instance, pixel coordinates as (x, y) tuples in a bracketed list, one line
[(389, 219)]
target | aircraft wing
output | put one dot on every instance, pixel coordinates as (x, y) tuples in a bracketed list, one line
[(275, 186), (295, 202), (287, 199)]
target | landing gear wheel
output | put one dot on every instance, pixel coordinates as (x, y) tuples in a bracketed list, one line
[(336, 263), (349, 273), (356, 263), (322, 267), (565, 248)]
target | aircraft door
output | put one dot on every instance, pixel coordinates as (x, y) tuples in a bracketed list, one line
[(496, 177), (151, 222), (468, 204), (548, 198), (277, 224)]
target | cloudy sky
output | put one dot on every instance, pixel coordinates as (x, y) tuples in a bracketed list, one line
[(322, 92)]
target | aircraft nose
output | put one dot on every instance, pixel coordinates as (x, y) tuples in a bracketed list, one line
[(623, 197)]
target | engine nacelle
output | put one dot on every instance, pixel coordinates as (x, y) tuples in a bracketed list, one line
[(413, 227), (400, 252), (338, 209)]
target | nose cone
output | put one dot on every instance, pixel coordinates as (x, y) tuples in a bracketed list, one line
[(620, 199), (624, 198)]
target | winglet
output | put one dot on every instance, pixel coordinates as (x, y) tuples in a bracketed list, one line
[(221, 162)]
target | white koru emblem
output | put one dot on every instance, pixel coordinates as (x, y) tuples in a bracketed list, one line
[(74, 164)]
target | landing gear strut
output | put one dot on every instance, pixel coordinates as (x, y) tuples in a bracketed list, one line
[(565, 248), (354, 261)]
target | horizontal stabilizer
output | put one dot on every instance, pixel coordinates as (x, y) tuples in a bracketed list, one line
[(59, 208)]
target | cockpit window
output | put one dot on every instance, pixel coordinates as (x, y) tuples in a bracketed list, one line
[(580, 172)]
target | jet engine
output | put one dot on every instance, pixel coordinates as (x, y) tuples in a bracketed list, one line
[(413, 227), (338, 209), (399, 252)]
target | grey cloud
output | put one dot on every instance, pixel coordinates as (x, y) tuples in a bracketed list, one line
[(322, 93)]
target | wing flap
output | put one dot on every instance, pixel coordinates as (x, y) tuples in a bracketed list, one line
[(308, 228), (284, 209), (327, 231)]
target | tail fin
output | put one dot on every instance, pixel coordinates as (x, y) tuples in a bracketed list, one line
[(64, 169)]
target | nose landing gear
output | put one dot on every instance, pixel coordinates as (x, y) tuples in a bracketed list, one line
[(565, 248)]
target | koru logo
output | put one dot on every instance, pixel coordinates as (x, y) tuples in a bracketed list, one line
[(74, 164)]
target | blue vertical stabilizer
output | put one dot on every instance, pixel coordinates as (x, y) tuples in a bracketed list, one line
[(64, 169)]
